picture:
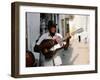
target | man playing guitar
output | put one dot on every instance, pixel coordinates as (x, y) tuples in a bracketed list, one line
[(47, 45)]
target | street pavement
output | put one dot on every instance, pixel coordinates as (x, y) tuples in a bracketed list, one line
[(77, 54)]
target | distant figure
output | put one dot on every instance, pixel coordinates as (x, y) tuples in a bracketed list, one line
[(85, 39), (79, 38)]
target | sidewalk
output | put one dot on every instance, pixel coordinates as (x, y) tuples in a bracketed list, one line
[(78, 53), (81, 51)]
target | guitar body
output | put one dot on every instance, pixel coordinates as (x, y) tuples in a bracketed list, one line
[(47, 44), (45, 48)]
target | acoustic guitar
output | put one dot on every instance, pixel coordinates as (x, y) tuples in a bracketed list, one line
[(49, 47)]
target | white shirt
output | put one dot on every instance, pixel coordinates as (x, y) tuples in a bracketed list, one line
[(57, 60), (57, 36)]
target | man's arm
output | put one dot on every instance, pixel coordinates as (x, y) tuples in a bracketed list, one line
[(36, 47)]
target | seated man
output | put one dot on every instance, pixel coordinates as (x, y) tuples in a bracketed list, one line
[(52, 38)]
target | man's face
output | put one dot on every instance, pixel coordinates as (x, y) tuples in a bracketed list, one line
[(53, 30)]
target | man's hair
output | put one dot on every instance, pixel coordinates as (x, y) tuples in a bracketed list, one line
[(51, 24)]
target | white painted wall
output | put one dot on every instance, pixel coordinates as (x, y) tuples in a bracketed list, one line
[(80, 21), (33, 27)]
